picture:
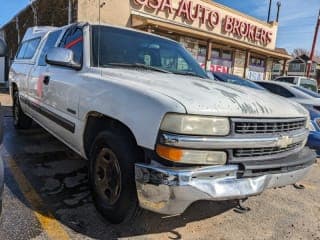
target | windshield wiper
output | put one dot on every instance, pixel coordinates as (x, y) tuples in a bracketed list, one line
[(189, 74), (138, 65)]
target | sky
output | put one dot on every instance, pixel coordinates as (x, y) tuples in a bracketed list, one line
[(296, 24)]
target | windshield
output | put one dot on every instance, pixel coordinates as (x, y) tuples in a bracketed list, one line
[(308, 92), (236, 80), (309, 84), (126, 48)]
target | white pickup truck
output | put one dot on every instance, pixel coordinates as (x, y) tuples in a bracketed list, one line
[(158, 133)]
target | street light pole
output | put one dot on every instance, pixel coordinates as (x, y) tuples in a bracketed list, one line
[(269, 12), (278, 11), (313, 45)]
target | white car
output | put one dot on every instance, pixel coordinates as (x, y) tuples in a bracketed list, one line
[(308, 83), (293, 92), (158, 133)]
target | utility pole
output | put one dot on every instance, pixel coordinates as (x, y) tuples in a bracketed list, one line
[(269, 12), (278, 10), (313, 45), (70, 12)]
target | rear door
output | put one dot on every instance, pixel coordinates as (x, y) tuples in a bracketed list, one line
[(22, 66)]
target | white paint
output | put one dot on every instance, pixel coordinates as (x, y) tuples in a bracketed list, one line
[(137, 98)]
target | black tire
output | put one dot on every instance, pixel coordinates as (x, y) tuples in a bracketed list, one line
[(20, 119), (120, 205)]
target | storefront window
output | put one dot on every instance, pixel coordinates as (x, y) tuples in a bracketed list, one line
[(258, 62), (202, 52), (227, 55), (215, 53), (221, 60), (256, 69)]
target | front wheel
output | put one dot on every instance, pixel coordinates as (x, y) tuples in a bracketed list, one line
[(112, 177), (20, 119)]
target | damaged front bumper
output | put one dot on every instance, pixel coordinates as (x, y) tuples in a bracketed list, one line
[(171, 190)]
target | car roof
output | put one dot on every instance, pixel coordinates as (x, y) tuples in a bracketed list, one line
[(35, 32), (290, 87), (284, 84)]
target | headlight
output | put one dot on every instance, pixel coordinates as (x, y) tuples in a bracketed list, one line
[(311, 126), (196, 125), (192, 156)]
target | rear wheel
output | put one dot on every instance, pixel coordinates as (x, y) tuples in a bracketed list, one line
[(20, 119), (112, 177)]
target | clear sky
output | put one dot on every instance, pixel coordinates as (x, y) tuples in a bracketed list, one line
[(297, 18)]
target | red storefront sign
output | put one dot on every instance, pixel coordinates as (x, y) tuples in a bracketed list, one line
[(216, 68), (211, 17)]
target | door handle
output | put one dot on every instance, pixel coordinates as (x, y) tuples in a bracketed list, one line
[(46, 80)]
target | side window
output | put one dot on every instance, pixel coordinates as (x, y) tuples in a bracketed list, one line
[(22, 50), (287, 79), (28, 49), (279, 90), (284, 92), (73, 39), (50, 43)]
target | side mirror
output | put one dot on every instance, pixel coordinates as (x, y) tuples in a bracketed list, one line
[(3, 48), (62, 57)]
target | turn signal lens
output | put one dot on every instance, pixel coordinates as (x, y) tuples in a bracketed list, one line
[(191, 156)]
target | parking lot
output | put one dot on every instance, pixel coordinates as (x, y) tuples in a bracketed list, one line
[(47, 197)]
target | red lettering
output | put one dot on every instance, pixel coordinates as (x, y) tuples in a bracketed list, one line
[(197, 9), (269, 37), (263, 36), (257, 36), (166, 5), (204, 15), (154, 4), (252, 32), (236, 27), (184, 9), (141, 2), (228, 25), (213, 19), (244, 29)]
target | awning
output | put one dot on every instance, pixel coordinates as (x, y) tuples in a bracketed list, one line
[(139, 21)]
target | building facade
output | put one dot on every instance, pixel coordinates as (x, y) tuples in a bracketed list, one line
[(298, 67), (220, 38)]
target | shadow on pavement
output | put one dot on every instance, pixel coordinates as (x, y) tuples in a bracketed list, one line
[(59, 176)]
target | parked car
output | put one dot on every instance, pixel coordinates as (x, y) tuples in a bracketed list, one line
[(157, 132), (296, 93), (304, 82), (234, 79), (3, 52), (308, 99), (314, 135), (1, 160)]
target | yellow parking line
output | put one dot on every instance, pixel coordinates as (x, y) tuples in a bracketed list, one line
[(50, 225)]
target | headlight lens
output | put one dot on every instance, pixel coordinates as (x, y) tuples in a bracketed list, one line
[(311, 126), (192, 156), (196, 125)]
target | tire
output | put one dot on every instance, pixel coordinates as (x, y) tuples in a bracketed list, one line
[(20, 119), (111, 175)]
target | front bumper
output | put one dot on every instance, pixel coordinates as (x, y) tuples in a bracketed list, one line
[(171, 190), (314, 141)]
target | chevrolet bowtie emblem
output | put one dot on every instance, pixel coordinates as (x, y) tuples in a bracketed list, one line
[(284, 141)]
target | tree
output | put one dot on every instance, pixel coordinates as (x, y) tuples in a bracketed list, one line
[(300, 51)]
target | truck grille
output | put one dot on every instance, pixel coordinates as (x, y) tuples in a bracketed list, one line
[(258, 152), (260, 127)]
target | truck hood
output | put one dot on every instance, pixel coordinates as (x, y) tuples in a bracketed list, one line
[(208, 97)]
